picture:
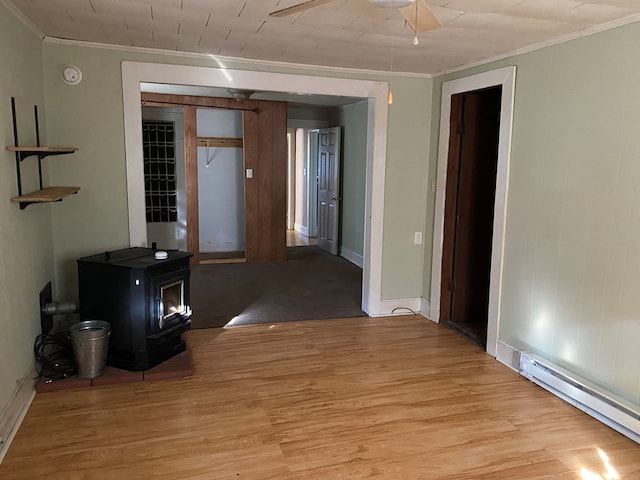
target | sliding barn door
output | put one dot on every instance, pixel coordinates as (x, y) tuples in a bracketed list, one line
[(265, 172)]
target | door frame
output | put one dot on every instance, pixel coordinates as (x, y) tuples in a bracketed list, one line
[(505, 77), (134, 73)]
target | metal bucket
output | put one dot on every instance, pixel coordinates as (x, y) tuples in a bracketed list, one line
[(90, 340)]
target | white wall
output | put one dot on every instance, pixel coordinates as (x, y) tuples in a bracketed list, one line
[(220, 183), (352, 119), (301, 223)]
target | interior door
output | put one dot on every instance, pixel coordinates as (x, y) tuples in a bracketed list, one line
[(469, 207), (329, 189)]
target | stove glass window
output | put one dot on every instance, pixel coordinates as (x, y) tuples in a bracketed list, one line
[(172, 301)]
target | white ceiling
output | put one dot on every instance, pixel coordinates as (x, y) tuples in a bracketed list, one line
[(342, 33)]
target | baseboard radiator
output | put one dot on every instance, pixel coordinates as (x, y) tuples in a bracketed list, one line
[(588, 397)]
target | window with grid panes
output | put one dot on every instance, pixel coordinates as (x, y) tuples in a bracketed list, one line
[(158, 139)]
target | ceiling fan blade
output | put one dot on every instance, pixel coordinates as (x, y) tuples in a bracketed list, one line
[(420, 17), (299, 8)]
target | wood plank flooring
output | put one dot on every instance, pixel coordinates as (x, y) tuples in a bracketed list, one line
[(387, 398)]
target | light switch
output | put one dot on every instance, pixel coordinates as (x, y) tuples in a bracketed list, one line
[(249, 172), (417, 238)]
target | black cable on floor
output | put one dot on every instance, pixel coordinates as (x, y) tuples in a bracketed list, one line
[(54, 356)]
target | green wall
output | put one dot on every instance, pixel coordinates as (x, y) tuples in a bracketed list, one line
[(26, 245), (571, 258), (89, 115), (353, 120), (406, 187)]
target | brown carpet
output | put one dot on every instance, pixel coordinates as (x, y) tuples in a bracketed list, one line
[(311, 284)]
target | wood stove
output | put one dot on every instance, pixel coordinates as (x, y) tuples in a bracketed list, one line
[(144, 294)]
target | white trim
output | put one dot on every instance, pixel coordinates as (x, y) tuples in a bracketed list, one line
[(301, 229), (352, 256), (505, 77), (133, 73), (15, 410), (425, 308), (547, 43), (225, 59), (605, 406), (402, 306), (508, 355)]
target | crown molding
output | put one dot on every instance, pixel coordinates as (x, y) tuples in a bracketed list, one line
[(20, 16), (513, 53), (220, 59), (547, 43)]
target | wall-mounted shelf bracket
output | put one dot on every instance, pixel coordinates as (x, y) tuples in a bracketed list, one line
[(44, 195)]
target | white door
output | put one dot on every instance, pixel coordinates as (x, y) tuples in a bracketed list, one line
[(328, 189)]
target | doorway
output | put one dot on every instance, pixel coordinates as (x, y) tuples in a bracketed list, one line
[(220, 172), (468, 217), (328, 189), (135, 73), (316, 188), (506, 79)]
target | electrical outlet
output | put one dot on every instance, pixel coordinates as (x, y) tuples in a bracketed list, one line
[(417, 239), (249, 172)]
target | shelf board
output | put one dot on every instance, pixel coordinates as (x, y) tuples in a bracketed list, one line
[(224, 142), (41, 152), (46, 195), (43, 149)]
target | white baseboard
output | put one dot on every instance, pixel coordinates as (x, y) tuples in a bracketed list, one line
[(425, 308), (14, 411), (352, 256), (301, 229), (508, 355), (401, 306)]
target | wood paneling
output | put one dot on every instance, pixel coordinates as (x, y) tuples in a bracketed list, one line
[(265, 144), (278, 226), (265, 152), (387, 398), (191, 183), (164, 100), (251, 134)]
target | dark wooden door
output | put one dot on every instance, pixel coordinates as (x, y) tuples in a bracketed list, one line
[(469, 207)]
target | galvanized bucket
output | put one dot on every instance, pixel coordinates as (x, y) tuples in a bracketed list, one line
[(90, 340)]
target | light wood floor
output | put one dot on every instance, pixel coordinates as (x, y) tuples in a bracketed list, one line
[(296, 239), (389, 398)]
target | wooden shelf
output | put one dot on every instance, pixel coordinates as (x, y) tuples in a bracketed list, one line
[(43, 149), (224, 142), (24, 152), (46, 195)]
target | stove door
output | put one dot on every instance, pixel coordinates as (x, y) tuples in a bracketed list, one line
[(170, 302)]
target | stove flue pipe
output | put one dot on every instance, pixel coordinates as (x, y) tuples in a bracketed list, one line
[(60, 308)]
